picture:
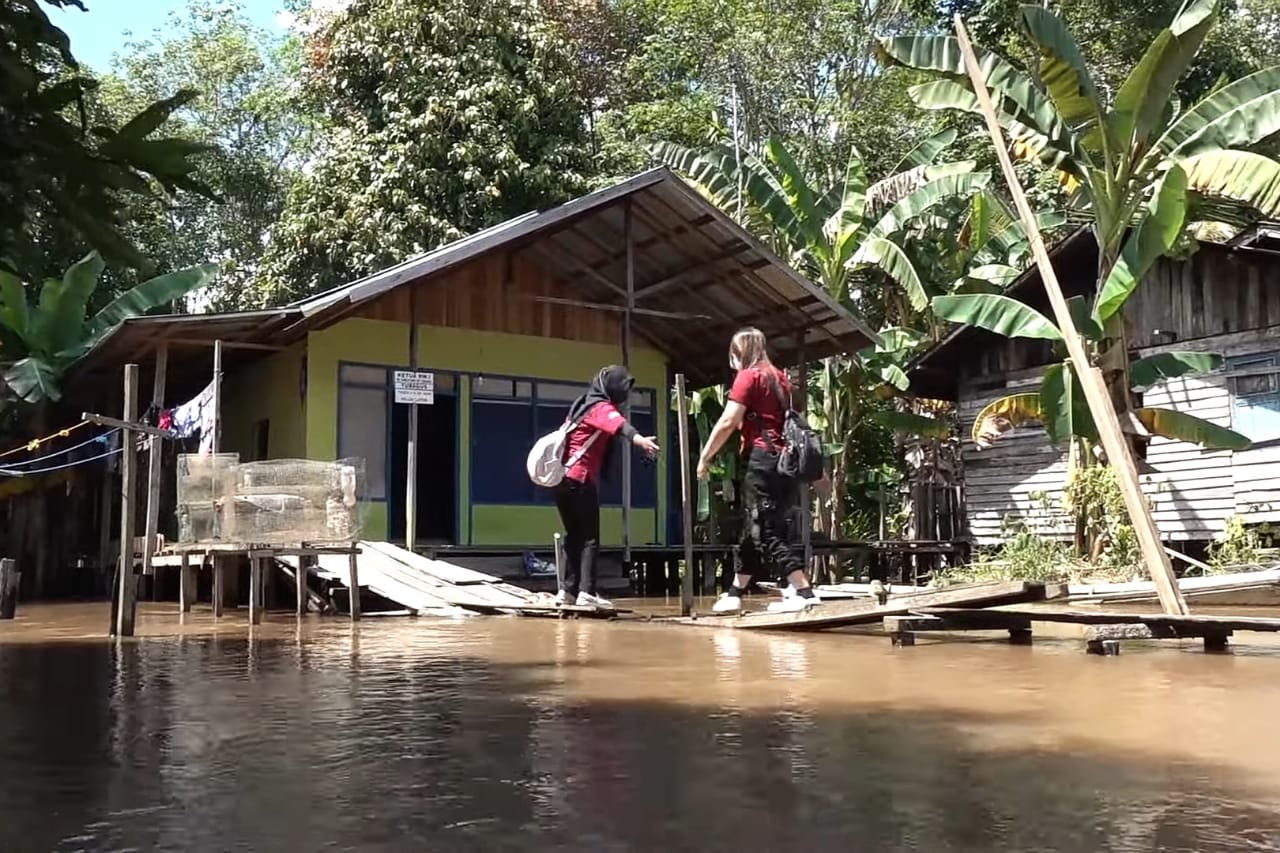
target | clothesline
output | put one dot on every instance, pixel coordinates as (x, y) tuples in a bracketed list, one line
[(35, 443), (66, 450), (7, 472)]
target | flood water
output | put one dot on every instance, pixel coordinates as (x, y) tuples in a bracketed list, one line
[(529, 734)]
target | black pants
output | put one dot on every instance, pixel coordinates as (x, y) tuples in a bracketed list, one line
[(579, 506), (772, 528)]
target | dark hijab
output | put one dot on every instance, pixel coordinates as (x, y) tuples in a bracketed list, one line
[(611, 385)]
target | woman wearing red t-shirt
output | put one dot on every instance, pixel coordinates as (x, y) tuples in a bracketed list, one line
[(590, 443), (758, 403)]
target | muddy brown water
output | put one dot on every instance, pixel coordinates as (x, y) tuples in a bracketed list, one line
[(530, 734)]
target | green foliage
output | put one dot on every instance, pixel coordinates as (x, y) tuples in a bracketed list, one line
[(41, 339), (1136, 164), (61, 170), (246, 109), (442, 117), (1238, 549)]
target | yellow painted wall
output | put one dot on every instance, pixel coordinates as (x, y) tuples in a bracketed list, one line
[(271, 389), (472, 352)]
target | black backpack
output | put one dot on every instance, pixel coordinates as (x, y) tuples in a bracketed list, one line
[(801, 455)]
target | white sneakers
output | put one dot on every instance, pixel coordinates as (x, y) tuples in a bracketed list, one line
[(791, 603), (584, 599), (727, 603)]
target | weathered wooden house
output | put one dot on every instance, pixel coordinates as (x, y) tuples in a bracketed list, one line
[(1223, 299)]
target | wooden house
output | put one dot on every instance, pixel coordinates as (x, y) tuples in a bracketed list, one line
[(1223, 299), (512, 323)]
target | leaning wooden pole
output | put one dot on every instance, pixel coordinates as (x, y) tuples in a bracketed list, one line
[(686, 496), (1091, 381)]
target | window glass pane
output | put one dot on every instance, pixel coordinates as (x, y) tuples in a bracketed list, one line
[(524, 390), (445, 383), (501, 436), (363, 374), (485, 386), (560, 391), (362, 433)]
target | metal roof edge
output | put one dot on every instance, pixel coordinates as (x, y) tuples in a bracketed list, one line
[(488, 239), (759, 246)]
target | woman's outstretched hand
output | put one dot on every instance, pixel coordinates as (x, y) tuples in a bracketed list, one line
[(647, 443)]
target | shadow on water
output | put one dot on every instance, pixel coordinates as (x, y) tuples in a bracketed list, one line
[(356, 741)]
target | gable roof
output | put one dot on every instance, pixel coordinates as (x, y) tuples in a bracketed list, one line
[(698, 276)]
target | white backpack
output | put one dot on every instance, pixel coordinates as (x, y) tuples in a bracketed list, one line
[(546, 463)]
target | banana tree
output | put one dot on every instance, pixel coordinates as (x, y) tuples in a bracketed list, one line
[(832, 234), (1140, 167), (40, 339)]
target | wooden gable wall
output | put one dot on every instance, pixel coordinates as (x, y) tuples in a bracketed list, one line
[(496, 294)]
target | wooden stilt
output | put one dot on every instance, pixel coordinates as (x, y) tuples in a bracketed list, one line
[(300, 585), (9, 577), (219, 584), (186, 585), (255, 590), (128, 595), (155, 454), (1095, 391), (354, 578), (686, 495)]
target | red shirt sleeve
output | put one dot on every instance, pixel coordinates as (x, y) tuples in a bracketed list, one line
[(605, 417), (743, 389)]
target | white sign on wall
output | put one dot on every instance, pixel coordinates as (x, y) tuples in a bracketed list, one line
[(415, 386)]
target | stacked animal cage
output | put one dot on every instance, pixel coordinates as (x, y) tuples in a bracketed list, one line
[(274, 502)]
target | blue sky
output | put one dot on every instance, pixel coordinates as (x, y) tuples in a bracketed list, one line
[(102, 31)]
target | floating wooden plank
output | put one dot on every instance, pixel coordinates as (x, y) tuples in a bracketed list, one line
[(1106, 617), (839, 614), (385, 584), (489, 589), (447, 572)]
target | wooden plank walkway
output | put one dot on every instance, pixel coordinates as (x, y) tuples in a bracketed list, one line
[(841, 614), (1116, 617)]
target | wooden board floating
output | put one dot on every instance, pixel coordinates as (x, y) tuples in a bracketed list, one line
[(840, 614)]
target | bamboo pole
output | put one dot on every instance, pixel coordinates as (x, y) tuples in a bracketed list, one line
[(686, 499), (1091, 381)]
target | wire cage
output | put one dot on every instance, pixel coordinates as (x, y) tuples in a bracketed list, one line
[(277, 501)]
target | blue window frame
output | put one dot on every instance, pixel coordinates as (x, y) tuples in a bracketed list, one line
[(508, 414), (1255, 399)]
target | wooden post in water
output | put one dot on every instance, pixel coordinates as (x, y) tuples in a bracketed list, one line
[(1095, 391), (9, 577), (801, 396), (128, 594), (255, 589), (629, 239), (411, 451), (186, 584), (354, 578), (155, 453), (686, 496)]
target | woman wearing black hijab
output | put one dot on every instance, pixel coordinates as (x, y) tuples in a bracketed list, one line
[(598, 425)]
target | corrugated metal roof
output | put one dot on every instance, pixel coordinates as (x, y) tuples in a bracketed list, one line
[(697, 273), (689, 259)]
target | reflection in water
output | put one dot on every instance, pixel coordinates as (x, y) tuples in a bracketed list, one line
[(513, 734)]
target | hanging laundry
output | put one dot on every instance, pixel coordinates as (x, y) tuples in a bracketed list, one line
[(197, 414)]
